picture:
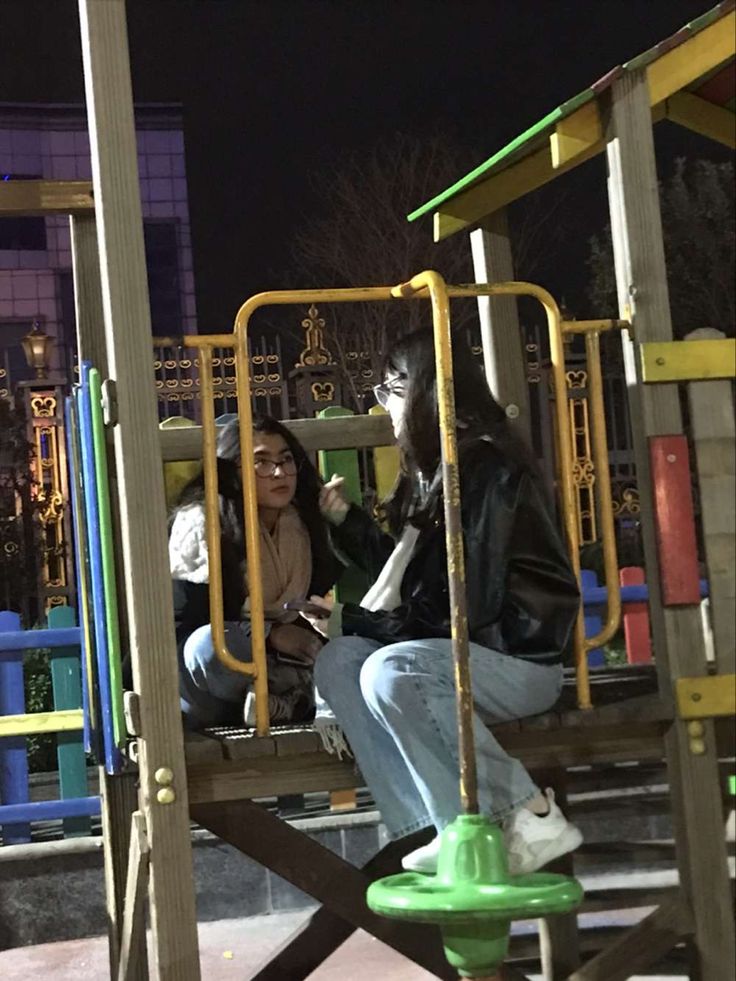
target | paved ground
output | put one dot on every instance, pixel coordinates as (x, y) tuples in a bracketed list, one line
[(230, 950)]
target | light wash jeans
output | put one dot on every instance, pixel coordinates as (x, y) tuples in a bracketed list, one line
[(396, 705)]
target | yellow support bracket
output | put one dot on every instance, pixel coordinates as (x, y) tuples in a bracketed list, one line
[(707, 697), (46, 198), (683, 64), (65, 720), (701, 116), (580, 131), (675, 361)]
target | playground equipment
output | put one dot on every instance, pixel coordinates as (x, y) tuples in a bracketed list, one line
[(214, 779)]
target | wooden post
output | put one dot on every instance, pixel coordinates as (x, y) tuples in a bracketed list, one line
[(119, 793), (714, 436), (655, 411), (88, 292), (119, 801), (133, 938), (140, 486), (503, 344)]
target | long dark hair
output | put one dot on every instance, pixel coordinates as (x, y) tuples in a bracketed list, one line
[(232, 521), (412, 359)]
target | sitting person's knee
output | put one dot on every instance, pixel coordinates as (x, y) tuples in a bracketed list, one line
[(384, 675), (198, 648)]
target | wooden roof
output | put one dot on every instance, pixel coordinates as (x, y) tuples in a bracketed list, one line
[(692, 79)]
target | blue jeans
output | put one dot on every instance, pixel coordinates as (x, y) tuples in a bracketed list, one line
[(396, 705), (211, 694)]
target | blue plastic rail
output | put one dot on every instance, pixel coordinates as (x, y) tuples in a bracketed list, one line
[(48, 810)]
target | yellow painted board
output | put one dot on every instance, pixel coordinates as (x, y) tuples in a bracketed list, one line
[(703, 117), (46, 197), (386, 462), (673, 361), (580, 131), (67, 720), (707, 697), (684, 64), (510, 184)]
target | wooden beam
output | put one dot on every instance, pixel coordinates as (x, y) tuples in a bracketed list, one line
[(674, 361), (641, 281), (133, 940), (531, 172), (682, 65), (119, 802), (322, 933), (641, 946), (328, 878), (714, 437), (314, 434), (501, 333), (140, 484), (703, 117), (501, 189), (28, 198), (578, 132), (708, 696), (88, 312)]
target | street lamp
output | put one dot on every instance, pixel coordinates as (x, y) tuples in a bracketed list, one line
[(35, 348)]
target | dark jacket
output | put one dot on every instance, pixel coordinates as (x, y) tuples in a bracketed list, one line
[(521, 591)]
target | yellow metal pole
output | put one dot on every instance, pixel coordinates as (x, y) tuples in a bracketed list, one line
[(212, 514), (250, 507), (603, 488), (453, 529), (418, 288)]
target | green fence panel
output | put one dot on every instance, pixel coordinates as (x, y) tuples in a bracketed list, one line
[(66, 682)]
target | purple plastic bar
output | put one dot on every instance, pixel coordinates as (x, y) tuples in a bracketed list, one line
[(48, 810), (13, 755), (33, 640)]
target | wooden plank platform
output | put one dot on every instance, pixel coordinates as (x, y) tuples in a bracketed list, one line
[(628, 724)]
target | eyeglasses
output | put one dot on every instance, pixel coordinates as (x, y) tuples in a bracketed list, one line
[(385, 390), (267, 468)]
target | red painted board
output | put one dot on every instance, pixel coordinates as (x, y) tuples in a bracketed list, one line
[(674, 520), (636, 620)]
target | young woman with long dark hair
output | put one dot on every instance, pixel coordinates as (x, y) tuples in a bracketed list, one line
[(387, 670), (296, 560)]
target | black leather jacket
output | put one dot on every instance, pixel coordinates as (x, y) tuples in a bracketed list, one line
[(522, 595)]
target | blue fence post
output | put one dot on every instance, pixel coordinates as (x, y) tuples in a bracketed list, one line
[(593, 622), (67, 687), (13, 754)]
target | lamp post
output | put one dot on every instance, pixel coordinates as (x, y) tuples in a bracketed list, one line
[(35, 348)]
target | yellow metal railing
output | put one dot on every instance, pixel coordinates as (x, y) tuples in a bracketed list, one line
[(429, 286)]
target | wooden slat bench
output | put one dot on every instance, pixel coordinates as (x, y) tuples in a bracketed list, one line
[(235, 764)]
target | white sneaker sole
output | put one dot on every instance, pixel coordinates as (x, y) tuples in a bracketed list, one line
[(567, 841)]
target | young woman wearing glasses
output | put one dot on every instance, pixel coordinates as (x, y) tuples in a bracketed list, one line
[(387, 672), (296, 560)]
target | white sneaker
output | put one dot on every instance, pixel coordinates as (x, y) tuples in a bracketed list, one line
[(423, 859), (533, 841), (281, 708)]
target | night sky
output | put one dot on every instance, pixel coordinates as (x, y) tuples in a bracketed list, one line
[(274, 90)]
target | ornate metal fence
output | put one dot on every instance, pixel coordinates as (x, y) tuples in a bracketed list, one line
[(317, 379)]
